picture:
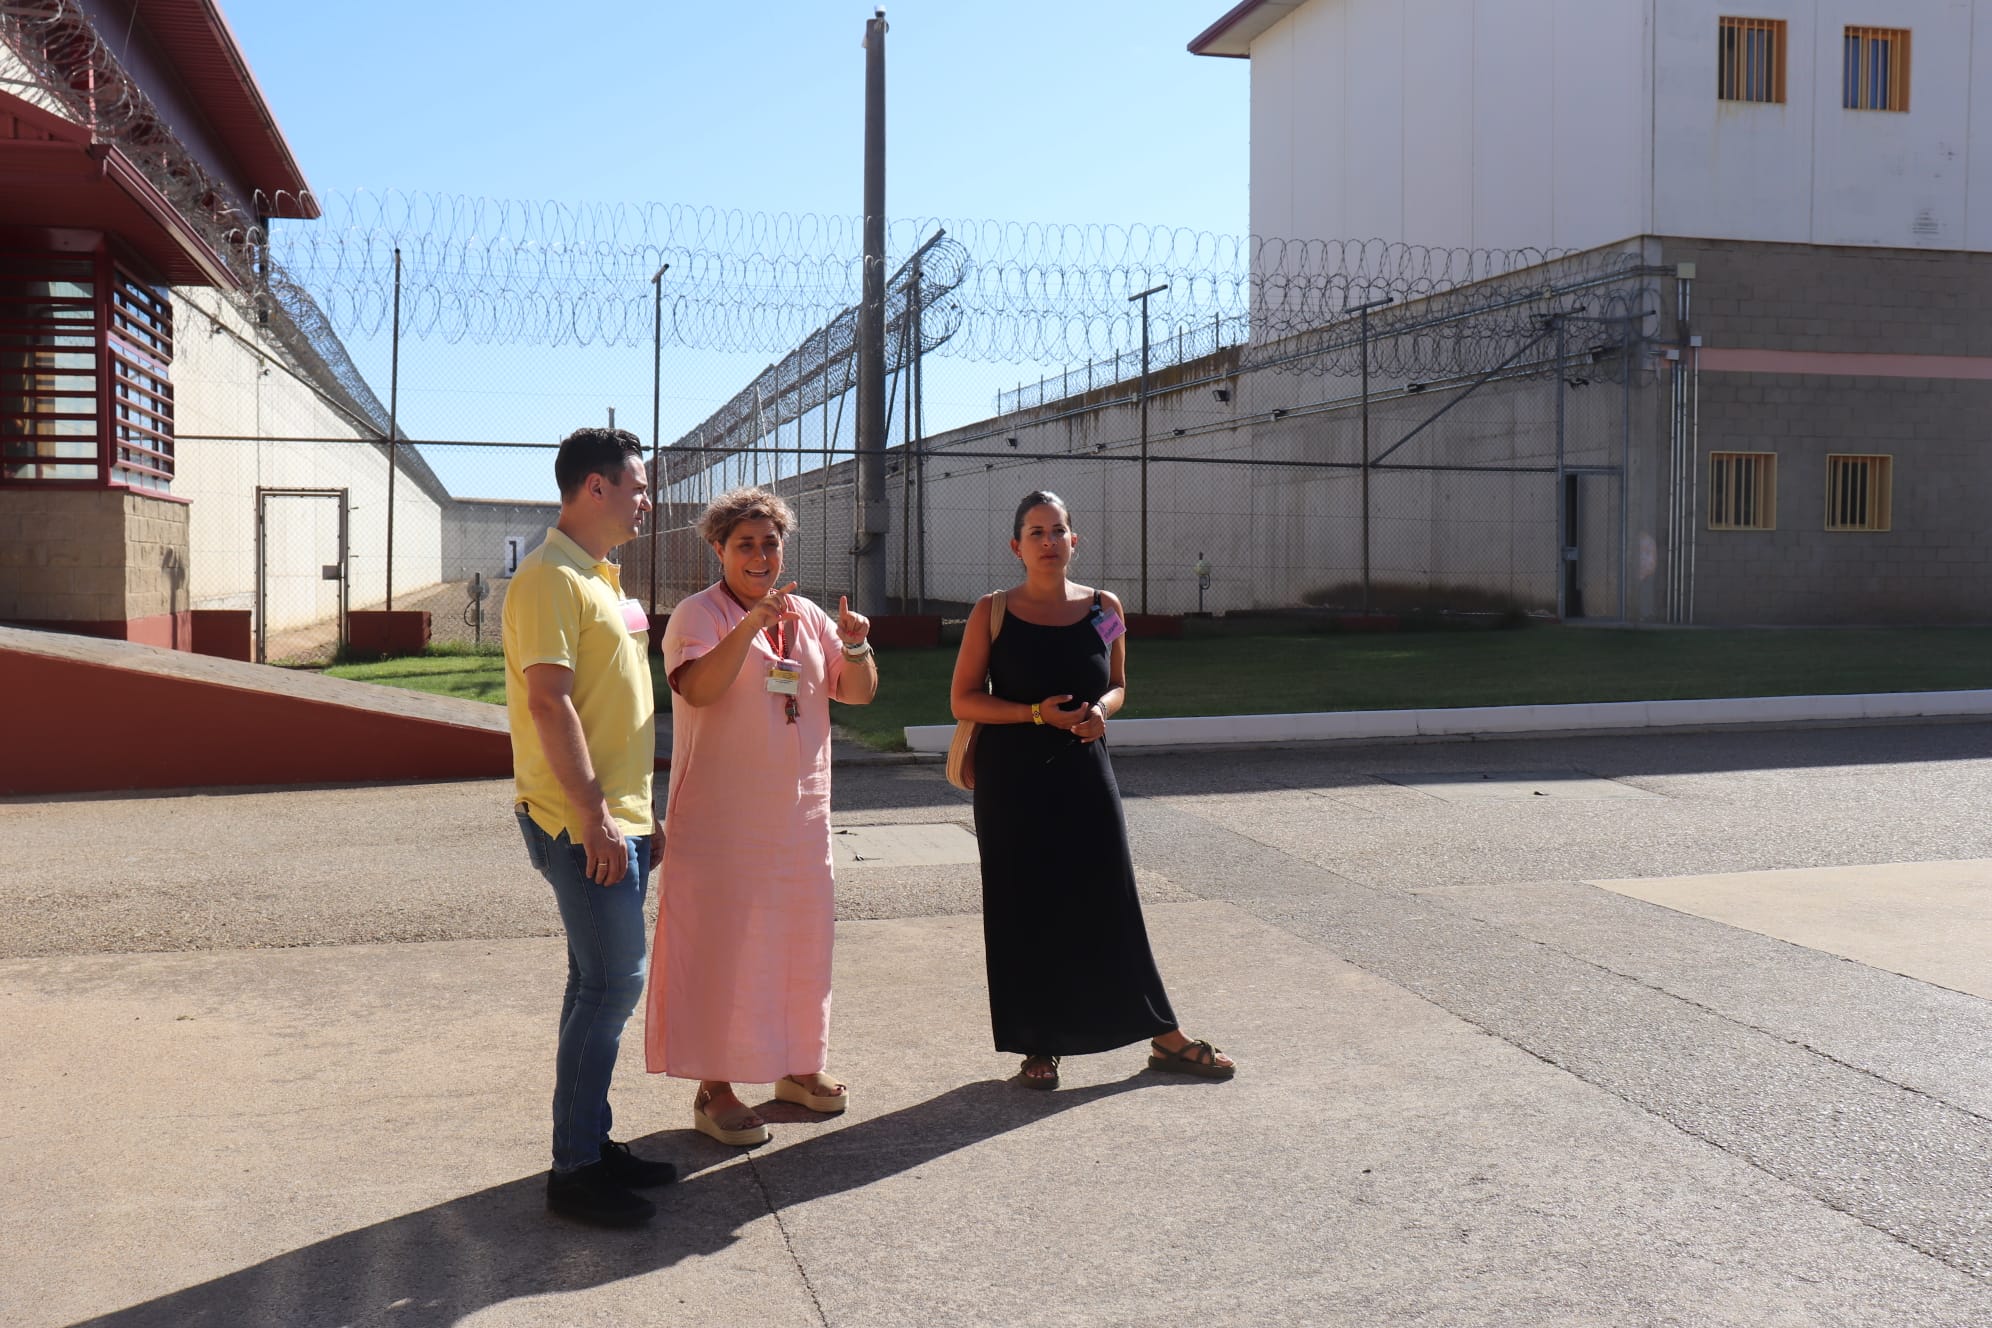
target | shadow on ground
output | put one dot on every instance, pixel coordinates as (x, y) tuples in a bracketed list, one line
[(432, 1268)]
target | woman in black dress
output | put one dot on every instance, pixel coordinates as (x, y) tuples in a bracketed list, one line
[(1070, 971)]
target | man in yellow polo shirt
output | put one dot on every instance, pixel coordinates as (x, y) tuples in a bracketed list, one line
[(584, 742)]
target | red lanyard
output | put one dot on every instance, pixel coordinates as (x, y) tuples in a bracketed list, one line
[(778, 640)]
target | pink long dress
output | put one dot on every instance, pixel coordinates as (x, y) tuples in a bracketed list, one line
[(740, 969)]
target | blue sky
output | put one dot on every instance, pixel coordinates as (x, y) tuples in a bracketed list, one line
[(1090, 112)]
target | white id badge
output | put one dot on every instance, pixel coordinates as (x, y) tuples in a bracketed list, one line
[(634, 617), (785, 678)]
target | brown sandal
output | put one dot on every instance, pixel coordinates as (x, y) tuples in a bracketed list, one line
[(1196, 1058)]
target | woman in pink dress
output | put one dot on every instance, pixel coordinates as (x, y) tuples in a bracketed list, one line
[(740, 971)]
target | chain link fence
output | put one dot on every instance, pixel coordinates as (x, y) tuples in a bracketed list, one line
[(1310, 472)]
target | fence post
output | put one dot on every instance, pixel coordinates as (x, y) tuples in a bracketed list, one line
[(1562, 512), (1364, 311), (1143, 297), (656, 443)]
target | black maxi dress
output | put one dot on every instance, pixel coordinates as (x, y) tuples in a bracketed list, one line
[(1070, 971)]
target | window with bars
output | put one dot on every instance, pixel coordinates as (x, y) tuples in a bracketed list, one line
[(48, 367), (1750, 60), (1859, 490), (1874, 71), (86, 394), (1743, 491), (139, 347)]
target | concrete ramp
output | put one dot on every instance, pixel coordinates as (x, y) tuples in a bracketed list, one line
[(87, 715)]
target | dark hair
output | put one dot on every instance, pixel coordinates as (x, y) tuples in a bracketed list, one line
[(1037, 498), (588, 452)]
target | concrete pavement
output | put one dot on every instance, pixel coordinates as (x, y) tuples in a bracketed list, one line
[(1484, 1082)]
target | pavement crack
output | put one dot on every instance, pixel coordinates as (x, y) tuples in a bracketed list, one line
[(788, 1242)]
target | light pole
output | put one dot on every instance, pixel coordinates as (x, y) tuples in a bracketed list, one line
[(1143, 297)]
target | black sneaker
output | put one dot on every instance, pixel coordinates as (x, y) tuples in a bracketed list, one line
[(626, 1168), (591, 1194)]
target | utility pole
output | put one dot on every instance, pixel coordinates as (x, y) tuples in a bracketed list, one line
[(873, 516), (656, 438), (393, 422), (1143, 297)]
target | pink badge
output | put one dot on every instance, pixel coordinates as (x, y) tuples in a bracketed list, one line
[(1110, 626), (634, 617)]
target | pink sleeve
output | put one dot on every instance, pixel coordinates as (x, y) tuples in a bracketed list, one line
[(693, 630)]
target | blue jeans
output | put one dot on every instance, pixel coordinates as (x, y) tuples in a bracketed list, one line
[(605, 970)]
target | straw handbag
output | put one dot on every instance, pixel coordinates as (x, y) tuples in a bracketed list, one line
[(961, 748)]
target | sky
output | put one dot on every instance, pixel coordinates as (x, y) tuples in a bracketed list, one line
[(1089, 112)]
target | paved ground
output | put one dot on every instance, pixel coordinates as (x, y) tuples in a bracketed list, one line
[(1524, 1042)]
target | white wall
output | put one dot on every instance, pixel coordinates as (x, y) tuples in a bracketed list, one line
[(1452, 123), (221, 387), (1811, 171), (1570, 124)]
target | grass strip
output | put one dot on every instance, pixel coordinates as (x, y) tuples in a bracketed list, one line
[(1393, 671)]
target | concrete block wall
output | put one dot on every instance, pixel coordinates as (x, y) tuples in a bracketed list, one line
[(1836, 299), (107, 561), (1932, 565)]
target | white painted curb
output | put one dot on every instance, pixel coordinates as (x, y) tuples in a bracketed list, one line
[(1465, 721)]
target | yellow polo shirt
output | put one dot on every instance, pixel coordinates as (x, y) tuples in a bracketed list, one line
[(564, 607)]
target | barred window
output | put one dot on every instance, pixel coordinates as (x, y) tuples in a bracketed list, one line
[(140, 343), (48, 367), (1874, 73), (86, 393), (1743, 491), (1750, 60), (1859, 492)]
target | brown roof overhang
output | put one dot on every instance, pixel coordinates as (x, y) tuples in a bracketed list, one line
[(1232, 35), (52, 177)]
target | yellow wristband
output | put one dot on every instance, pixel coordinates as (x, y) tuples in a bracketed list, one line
[(1037, 712)]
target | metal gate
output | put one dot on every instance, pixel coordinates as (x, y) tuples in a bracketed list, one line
[(304, 610)]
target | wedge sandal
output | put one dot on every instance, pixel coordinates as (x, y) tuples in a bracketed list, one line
[(788, 1090), (745, 1137)]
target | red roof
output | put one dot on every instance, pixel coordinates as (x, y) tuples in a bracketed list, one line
[(1232, 35), (194, 38)]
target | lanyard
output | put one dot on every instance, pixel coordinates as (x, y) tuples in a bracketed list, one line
[(778, 640)]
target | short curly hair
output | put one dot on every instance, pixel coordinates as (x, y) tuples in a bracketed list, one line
[(752, 503)]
